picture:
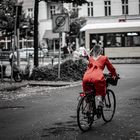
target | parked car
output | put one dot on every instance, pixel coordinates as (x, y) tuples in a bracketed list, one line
[(41, 54), (25, 53)]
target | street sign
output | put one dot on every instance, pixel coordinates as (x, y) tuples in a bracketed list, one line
[(60, 23)]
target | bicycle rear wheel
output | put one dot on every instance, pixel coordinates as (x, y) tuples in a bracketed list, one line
[(108, 110), (84, 117)]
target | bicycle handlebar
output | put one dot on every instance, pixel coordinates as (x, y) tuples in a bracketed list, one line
[(110, 80), (108, 75)]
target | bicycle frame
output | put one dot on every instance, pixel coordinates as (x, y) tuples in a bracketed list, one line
[(92, 97), (86, 112)]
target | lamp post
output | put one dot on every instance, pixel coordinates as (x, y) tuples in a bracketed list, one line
[(18, 11)]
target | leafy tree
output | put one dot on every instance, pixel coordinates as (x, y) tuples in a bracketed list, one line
[(36, 10), (75, 24), (7, 19), (6, 15), (26, 27)]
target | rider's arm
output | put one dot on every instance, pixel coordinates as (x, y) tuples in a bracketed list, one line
[(110, 67), (89, 63)]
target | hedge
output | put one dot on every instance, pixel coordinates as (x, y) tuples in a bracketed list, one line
[(71, 70)]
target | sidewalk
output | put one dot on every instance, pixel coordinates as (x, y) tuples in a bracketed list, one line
[(9, 86)]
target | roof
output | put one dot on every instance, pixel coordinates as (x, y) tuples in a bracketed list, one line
[(112, 27), (50, 35)]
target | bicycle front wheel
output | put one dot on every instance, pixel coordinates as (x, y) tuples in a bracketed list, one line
[(108, 110), (84, 118)]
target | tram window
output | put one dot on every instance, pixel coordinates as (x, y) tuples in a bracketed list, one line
[(136, 40), (132, 41), (122, 40), (113, 40)]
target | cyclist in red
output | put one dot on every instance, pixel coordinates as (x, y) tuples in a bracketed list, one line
[(94, 72)]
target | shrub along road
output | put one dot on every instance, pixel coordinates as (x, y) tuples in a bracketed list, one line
[(50, 113)]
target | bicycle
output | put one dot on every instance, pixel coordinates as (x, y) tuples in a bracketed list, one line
[(87, 109)]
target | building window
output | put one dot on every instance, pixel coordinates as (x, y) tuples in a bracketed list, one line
[(30, 12), (74, 10), (75, 7), (52, 10), (107, 5), (90, 9), (124, 7)]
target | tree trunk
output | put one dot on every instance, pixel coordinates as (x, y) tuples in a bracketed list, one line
[(36, 11)]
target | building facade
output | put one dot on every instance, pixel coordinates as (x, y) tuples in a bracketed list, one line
[(96, 12)]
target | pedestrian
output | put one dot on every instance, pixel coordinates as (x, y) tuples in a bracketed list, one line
[(94, 42), (82, 51), (94, 73), (12, 60), (75, 55), (73, 46), (65, 51), (70, 48)]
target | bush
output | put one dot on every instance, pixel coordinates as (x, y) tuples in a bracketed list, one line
[(70, 71)]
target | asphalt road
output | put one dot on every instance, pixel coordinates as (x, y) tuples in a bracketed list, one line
[(50, 114)]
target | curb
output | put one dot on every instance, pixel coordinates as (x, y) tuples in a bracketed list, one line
[(55, 84), (13, 87), (47, 84)]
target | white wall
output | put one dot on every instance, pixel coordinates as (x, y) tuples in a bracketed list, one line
[(116, 7), (116, 11), (83, 10), (44, 25), (133, 7), (123, 52), (42, 10), (98, 8), (28, 4)]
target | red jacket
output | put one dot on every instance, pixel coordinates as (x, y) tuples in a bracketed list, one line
[(94, 74)]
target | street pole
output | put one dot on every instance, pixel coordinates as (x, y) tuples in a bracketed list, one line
[(36, 10), (59, 59), (15, 40), (18, 54), (16, 31)]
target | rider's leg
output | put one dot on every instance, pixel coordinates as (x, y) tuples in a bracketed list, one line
[(99, 101)]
